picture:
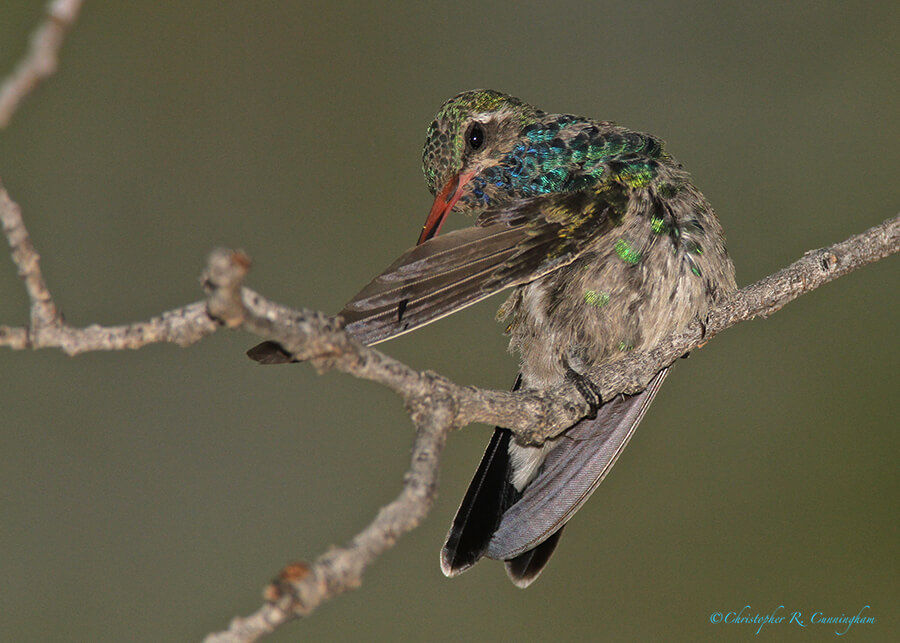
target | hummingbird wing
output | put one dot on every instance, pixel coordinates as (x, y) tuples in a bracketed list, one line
[(508, 246), (523, 528), (574, 468)]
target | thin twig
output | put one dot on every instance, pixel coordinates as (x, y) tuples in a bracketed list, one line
[(27, 260), (435, 404), (41, 59)]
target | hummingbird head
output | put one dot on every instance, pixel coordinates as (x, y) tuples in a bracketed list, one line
[(471, 132)]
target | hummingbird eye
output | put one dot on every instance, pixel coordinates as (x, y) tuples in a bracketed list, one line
[(475, 136)]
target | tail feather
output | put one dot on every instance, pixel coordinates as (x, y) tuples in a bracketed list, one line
[(488, 496), (573, 469), (524, 569), (479, 514), (524, 528)]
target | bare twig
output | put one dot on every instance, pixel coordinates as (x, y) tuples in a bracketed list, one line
[(26, 258), (435, 404), (41, 59), (46, 329)]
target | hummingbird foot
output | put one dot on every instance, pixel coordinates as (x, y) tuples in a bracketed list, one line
[(704, 326), (589, 391)]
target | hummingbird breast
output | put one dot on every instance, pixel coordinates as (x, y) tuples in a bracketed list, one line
[(652, 274), (662, 266)]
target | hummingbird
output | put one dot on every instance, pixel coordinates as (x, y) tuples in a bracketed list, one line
[(608, 248)]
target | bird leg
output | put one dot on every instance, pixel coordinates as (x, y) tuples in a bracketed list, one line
[(589, 391)]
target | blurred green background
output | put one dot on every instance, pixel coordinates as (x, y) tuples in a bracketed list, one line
[(150, 495)]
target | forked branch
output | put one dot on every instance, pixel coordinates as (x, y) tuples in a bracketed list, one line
[(435, 404)]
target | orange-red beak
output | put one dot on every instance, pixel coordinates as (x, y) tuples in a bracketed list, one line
[(443, 203)]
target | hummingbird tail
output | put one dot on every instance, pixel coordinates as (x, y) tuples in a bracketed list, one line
[(571, 472), (479, 514), (523, 528), (524, 569), (489, 494)]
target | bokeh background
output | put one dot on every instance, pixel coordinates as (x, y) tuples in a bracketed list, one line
[(150, 495)]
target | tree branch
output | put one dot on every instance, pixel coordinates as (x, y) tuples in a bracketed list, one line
[(435, 404), (41, 59)]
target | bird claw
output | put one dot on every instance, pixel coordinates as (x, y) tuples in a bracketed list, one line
[(588, 390)]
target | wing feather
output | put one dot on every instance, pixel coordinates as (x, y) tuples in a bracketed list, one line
[(571, 473), (508, 246)]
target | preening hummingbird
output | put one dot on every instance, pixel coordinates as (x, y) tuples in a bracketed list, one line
[(608, 247)]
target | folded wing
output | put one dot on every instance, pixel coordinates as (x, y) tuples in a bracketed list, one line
[(570, 474)]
